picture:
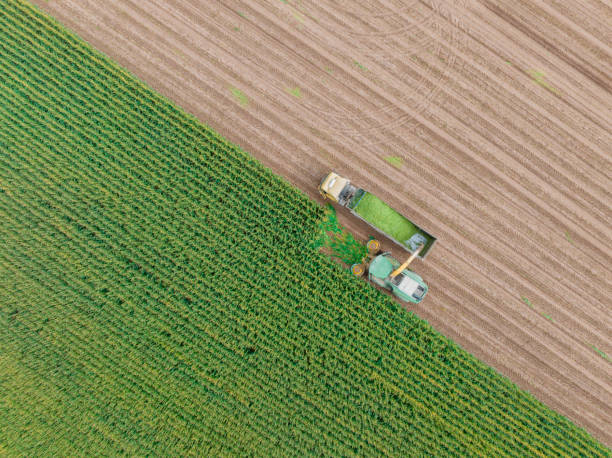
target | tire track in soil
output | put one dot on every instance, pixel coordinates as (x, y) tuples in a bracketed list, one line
[(598, 77), (367, 23), (488, 317)]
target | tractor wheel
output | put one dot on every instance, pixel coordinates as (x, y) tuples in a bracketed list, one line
[(358, 269), (373, 246)]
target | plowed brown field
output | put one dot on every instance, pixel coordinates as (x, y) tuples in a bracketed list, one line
[(497, 115)]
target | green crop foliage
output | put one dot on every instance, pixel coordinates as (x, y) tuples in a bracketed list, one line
[(240, 96), (360, 66), (395, 161), (540, 78), (526, 301), (600, 353), (160, 295), (295, 92), (340, 243)]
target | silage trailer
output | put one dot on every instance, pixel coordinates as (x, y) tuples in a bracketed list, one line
[(376, 213)]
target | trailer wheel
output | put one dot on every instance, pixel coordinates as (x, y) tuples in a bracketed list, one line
[(358, 269)]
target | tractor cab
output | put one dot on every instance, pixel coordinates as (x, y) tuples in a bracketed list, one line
[(336, 188), (406, 285)]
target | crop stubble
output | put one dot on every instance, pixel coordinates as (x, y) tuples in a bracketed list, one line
[(497, 164)]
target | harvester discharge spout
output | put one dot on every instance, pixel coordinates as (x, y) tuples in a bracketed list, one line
[(399, 270)]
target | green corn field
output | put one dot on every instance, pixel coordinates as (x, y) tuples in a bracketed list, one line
[(160, 294)]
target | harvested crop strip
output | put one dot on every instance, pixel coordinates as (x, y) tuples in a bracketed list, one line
[(159, 294)]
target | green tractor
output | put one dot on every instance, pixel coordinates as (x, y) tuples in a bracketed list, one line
[(386, 271)]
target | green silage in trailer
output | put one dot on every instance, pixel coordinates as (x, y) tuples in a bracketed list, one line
[(378, 213), (146, 308), (387, 220)]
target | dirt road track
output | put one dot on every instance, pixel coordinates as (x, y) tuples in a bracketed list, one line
[(499, 112)]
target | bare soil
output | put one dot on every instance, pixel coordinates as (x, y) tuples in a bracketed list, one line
[(499, 113)]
